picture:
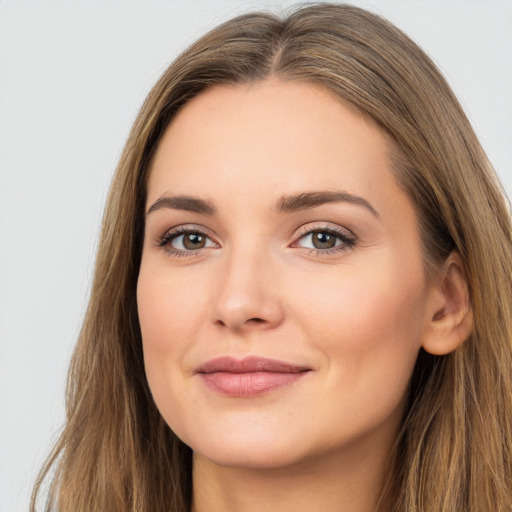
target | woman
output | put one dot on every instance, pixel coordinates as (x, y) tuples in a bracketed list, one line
[(302, 291)]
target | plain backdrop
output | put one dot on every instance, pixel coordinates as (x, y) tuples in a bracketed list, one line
[(72, 77)]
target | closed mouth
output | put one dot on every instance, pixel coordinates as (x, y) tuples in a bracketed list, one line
[(250, 376)]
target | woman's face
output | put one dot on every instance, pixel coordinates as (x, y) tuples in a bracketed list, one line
[(282, 295)]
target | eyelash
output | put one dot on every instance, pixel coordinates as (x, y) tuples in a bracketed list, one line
[(348, 240), (165, 241)]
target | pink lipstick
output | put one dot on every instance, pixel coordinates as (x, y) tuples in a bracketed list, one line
[(250, 376)]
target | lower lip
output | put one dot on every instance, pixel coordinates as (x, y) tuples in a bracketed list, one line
[(249, 384)]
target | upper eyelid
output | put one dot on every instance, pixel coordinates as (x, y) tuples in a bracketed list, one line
[(299, 233), (188, 228), (337, 229), (308, 228), (162, 240), (348, 237)]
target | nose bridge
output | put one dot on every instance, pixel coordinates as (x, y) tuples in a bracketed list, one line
[(246, 294)]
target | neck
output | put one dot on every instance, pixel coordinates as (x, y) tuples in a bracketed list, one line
[(334, 482)]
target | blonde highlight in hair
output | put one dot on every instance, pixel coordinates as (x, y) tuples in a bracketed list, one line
[(454, 451)]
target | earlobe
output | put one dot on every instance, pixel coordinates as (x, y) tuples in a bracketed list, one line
[(449, 315)]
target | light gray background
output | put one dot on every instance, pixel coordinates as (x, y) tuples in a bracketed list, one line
[(72, 77)]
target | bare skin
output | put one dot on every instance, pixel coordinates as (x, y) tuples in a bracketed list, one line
[(275, 230), (321, 484)]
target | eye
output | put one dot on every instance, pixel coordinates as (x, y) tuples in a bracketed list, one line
[(325, 240), (180, 241), (190, 241)]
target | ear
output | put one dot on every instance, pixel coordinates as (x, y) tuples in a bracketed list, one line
[(449, 315)]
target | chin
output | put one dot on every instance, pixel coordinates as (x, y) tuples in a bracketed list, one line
[(251, 450), (248, 458)]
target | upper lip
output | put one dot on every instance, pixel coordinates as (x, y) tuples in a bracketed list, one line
[(251, 364)]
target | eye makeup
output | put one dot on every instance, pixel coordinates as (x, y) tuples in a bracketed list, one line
[(318, 240)]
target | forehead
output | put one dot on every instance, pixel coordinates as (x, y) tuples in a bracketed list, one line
[(271, 137)]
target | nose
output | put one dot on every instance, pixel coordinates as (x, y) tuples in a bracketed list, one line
[(246, 295)]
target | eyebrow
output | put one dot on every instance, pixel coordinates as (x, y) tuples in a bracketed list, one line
[(187, 203), (306, 200), (286, 204)]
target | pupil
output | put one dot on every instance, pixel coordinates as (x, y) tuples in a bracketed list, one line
[(193, 241), (323, 240)]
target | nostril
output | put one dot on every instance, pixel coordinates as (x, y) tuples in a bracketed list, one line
[(256, 320), (240, 325)]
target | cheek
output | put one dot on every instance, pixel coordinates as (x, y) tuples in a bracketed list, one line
[(170, 313), (367, 321), (169, 309)]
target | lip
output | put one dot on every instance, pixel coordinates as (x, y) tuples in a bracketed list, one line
[(250, 376)]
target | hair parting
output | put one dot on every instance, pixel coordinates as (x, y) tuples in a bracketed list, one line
[(454, 451)]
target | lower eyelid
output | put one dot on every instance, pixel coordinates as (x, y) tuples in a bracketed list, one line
[(179, 231), (346, 237), (347, 240)]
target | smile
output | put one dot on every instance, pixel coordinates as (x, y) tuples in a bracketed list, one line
[(250, 376)]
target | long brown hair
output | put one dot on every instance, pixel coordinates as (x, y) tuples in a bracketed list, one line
[(454, 451)]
